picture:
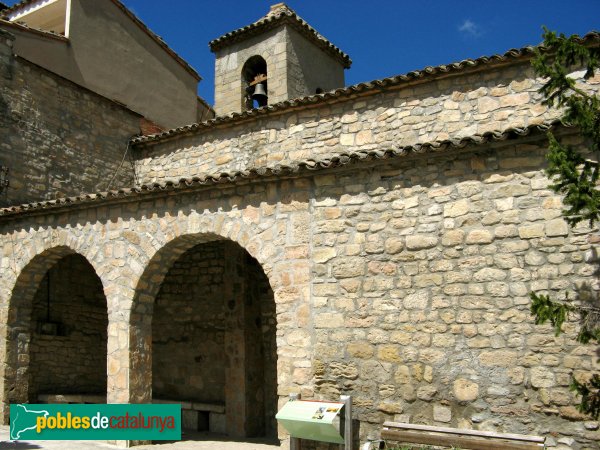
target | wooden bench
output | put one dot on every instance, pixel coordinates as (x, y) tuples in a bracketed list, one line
[(453, 437), (198, 416)]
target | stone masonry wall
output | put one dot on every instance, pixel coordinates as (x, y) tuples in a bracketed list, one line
[(310, 68), (58, 139), (74, 361), (188, 338), (421, 292), (404, 283), (190, 327), (494, 99)]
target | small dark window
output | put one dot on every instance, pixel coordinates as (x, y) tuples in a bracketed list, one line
[(319, 91)]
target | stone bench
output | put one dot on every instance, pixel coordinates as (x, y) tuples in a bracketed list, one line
[(452, 437), (199, 416), (71, 398)]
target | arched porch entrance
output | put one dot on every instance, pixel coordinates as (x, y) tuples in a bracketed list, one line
[(56, 331), (213, 337)]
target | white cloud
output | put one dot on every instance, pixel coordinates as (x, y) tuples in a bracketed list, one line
[(470, 28)]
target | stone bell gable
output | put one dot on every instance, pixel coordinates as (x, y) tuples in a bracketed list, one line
[(295, 60)]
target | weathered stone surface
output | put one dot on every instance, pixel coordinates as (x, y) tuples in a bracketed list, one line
[(361, 350), (531, 231), (420, 242), (394, 245), (465, 390), (541, 377), (489, 274), (348, 267), (323, 255), (426, 393), (500, 358), (557, 227), (418, 300), (442, 414), (457, 209), (479, 237), (453, 237)]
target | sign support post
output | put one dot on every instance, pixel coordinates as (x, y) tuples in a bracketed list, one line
[(347, 421), (294, 441)]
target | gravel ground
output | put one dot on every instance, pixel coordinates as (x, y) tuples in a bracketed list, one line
[(197, 441)]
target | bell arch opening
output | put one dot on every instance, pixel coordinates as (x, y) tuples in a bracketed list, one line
[(57, 332), (254, 83), (213, 337)]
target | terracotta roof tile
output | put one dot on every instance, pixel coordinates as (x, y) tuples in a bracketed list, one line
[(278, 15), (278, 170), (24, 27), (376, 86)]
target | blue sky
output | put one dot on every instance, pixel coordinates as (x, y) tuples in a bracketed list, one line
[(383, 37)]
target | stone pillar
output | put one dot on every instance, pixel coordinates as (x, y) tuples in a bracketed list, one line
[(129, 364), (129, 358), (235, 379), (244, 401)]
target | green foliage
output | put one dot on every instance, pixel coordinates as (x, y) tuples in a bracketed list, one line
[(547, 310), (590, 395), (574, 176), (544, 309)]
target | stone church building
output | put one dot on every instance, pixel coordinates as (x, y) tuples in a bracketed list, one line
[(378, 240)]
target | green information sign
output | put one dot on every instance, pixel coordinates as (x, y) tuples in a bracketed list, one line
[(317, 421)]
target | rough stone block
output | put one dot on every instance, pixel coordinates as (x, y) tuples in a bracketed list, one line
[(466, 390), (442, 414), (217, 423)]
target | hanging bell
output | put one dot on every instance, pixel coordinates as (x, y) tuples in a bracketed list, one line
[(260, 94)]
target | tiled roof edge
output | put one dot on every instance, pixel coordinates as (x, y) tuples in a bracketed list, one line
[(271, 21), (137, 21), (360, 88), (37, 31), (16, 6), (309, 165)]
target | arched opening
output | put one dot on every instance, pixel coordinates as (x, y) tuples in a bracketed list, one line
[(254, 83), (214, 340), (57, 332)]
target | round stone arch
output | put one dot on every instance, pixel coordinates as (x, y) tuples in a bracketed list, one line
[(21, 290), (238, 240)]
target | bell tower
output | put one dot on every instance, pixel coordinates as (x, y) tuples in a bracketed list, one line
[(277, 58)]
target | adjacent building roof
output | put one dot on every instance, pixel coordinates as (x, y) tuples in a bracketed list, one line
[(24, 27), (372, 87), (281, 14), (24, 3), (291, 169)]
